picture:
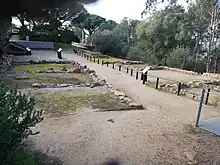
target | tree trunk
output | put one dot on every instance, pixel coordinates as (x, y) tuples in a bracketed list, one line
[(216, 58), (6, 24), (22, 20), (211, 39), (196, 52), (90, 36)]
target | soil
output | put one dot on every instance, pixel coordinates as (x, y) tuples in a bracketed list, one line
[(161, 134)]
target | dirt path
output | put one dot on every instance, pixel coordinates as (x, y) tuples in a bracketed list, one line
[(180, 107), (153, 136)]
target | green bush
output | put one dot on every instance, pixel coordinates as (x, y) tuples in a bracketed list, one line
[(26, 157), (46, 33), (17, 116), (135, 54), (179, 57)]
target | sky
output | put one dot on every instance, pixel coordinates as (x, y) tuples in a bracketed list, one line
[(117, 9)]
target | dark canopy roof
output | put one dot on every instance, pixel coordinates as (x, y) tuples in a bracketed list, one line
[(33, 7)]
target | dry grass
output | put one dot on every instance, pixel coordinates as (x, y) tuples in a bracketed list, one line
[(58, 78), (214, 100), (51, 78), (139, 66), (12, 83), (189, 128), (110, 60), (37, 67), (63, 103)]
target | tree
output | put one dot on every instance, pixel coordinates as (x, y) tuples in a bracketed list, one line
[(203, 17), (29, 7), (17, 116), (116, 41), (92, 23), (164, 31), (108, 25), (33, 7), (57, 17), (179, 57)]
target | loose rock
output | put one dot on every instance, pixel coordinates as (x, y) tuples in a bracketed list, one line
[(111, 120), (22, 78), (136, 105), (118, 93)]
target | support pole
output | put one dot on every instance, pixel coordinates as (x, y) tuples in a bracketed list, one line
[(200, 108)]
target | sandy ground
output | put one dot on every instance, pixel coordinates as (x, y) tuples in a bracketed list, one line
[(157, 135)]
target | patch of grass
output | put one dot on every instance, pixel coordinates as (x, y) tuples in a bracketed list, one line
[(105, 101), (61, 103), (151, 84), (214, 100), (139, 66), (58, 78), (38, 67), (110, 60), (189, 128), (12, 83), (27, 157)]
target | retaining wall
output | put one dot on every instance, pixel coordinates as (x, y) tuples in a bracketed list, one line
[(36, 44)]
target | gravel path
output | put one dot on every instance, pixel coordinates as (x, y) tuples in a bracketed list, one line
[(153, 136)]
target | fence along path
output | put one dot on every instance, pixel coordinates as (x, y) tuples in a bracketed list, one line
[(176, 106)]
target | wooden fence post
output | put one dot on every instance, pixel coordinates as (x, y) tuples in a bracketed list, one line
[(179, 89), (131, 72), (207, 97), (137, 75), (157, 83), (144, 78)]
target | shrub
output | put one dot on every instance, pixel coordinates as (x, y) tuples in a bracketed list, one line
[(135, 54), (17, 116), (179, 57)]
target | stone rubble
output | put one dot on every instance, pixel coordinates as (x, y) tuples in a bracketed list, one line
[(45, 85), (95, 80)]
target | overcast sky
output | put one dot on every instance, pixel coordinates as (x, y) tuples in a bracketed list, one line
[(117, 9)]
